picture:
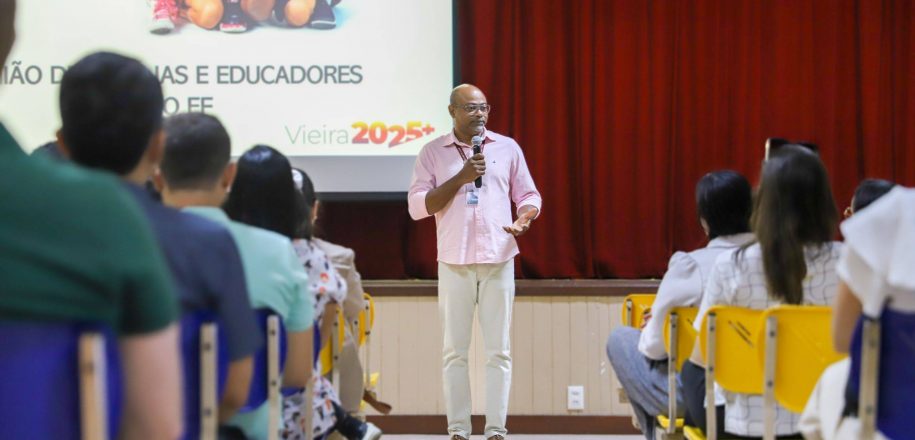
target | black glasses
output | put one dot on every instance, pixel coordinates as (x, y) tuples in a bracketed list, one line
[(473, 108), (775, 144)]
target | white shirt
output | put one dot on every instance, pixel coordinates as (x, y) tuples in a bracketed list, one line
[(742, 283), (879, 247), (682, 287), (878, 262)]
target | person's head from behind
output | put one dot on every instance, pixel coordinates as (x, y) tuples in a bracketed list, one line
[(774, 145), (724, 201), (794, 209), (7, 28), (263, 194), (868, 191), (307, 213), (197, 159), (111, 111)]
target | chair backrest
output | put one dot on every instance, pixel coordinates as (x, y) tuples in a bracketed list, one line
[(686, 333), (205, 362), (803, 349), (329, 353), (736, 366), (895, 381), (60, 381), (260, 379), (634, 305), (366, 319)]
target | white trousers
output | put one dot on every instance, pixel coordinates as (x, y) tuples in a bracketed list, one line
[(462, 289)]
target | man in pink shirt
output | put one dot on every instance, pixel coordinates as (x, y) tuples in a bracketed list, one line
[(476, 249)]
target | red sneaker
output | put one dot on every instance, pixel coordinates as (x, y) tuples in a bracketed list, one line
[(165, 14)]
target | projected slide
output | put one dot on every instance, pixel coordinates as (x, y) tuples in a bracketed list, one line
[(312, 78)]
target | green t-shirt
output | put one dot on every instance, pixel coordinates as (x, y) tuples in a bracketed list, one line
[(276, 279), (74, 247)]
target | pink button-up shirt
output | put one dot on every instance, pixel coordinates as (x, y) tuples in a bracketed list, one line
[(473, 234)]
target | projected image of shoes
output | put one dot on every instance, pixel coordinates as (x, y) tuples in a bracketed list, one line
[(233, 24), (323, 15), (165, 14), (279, 11), (233, 20)]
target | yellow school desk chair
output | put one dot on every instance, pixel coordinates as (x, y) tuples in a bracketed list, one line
[(330, 352), (794, 349), (364, 328), (633, 310), (679, 322), (728, 344), (365, 324), (634, 306)]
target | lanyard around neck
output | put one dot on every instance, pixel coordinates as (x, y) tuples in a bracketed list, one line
[(460, 150)]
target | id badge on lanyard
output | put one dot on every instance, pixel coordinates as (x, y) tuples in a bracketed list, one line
[(472, 192), (473, 195)]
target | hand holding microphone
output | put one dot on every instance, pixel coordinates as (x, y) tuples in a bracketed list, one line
[(477, 142), (475, 166)]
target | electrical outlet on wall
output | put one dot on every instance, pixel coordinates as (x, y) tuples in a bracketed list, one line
[(576, 398)]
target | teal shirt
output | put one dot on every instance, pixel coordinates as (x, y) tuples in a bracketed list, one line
[(276, 280), (74, 247)]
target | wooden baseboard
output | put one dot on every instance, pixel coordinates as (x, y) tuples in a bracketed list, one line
[(579, 287), (438, 425)]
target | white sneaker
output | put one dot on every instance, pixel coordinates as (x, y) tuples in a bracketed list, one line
[(371, 432)]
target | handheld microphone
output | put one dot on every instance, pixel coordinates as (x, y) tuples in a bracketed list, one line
[(477, 141)]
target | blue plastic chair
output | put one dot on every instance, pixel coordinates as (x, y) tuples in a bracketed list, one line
[(43, 369), (200, 337), (895, 381), (260, 382)]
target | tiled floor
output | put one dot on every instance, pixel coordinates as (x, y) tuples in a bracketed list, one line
[(521, 437)]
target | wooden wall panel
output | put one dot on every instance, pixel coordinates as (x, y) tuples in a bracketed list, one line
[(522, 394), (557, 341), (578, 346)]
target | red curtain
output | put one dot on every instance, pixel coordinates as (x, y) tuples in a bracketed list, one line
[(622, 105)]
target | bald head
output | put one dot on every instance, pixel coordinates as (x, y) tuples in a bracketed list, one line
[(464, 93), (469, 110), (7, 28)]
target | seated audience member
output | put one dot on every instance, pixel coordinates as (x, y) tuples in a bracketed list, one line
[(875, 272), (333, 285), (723, 202), (352, 386), (868, 191), (196, 173), (111, 109), (86, 254), (792, 261), (264, 195)]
